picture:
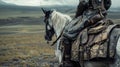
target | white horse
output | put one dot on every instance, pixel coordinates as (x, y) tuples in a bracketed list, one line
[(55, 23)]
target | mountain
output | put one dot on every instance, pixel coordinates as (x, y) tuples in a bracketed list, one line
[(42, 2), (4, 3)]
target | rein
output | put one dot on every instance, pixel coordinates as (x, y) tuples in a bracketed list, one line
[(59, 36), (61, 33)]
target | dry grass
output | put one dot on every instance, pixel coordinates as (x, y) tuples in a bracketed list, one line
[(23, 46)]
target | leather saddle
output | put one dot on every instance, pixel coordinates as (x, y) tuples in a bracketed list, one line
[(93, 42)]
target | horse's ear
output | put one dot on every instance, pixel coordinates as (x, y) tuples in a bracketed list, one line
[(44, 11)]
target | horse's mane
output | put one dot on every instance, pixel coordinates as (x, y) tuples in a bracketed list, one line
[(59, 20), (59, 17)]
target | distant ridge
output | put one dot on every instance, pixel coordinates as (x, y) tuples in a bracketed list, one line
[(4, 3), (66, 8)]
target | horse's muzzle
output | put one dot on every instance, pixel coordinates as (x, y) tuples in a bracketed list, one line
[(48, 38)]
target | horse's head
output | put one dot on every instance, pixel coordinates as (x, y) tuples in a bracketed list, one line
[(48, 25)]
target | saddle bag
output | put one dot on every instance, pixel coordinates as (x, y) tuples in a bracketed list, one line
[(94, 45)]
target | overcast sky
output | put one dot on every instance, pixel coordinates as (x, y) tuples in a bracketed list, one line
[(115, 3)]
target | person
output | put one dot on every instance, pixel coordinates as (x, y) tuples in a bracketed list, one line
[(89, 12)]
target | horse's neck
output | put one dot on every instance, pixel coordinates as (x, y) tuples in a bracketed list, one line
[(59, 21)]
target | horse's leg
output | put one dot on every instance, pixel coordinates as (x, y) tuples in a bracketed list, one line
[(58, 52), (117, 63), (116, 34)]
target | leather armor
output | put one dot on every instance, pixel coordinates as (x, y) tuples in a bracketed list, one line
[(92, 4)]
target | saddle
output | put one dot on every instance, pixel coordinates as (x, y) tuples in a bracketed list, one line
[(93, 42)]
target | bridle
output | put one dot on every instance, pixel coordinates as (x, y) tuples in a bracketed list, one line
[(49, 28), (46, 20)]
